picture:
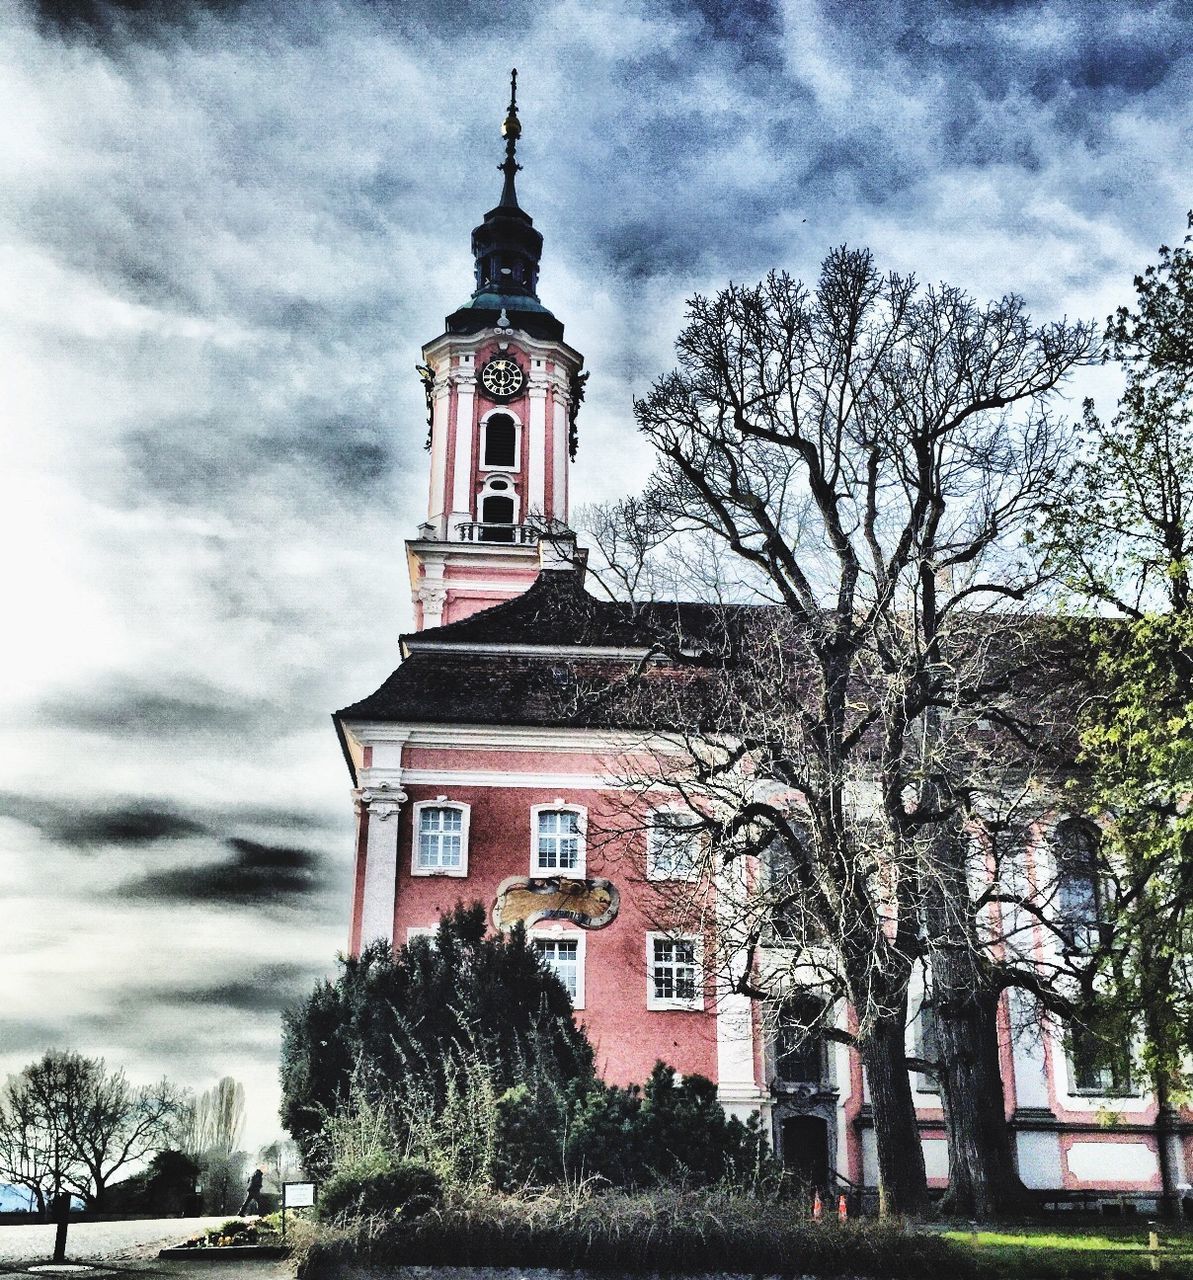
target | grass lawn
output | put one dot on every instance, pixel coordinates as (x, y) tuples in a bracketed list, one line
[(1046, 1253)]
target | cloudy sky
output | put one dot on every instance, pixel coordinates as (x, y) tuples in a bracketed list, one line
[(225, 231)]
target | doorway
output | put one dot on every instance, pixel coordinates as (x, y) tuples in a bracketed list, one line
[(804, 1141)]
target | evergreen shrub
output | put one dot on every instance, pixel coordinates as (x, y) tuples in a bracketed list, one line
[(380, 1187)]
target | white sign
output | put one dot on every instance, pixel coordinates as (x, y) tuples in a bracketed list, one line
[(298, 1195)]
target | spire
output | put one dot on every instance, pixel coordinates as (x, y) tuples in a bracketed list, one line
[(511, 131), (506, 249)]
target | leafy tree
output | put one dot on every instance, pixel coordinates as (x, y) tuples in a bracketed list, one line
[(1122, 533), (392, 1020), (865, 455)]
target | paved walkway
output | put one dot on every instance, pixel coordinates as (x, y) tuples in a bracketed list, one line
[(122, 1244)]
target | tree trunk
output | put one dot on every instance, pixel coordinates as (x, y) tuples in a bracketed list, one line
[(902, 1182), (1165, 1116), (983, 1177)]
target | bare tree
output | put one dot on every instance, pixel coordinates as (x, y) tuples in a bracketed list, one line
[(67, 1124), (213, 1137), (115, 1124), (217, 1121), (27, 1145), (863, 457), (281, 1160)]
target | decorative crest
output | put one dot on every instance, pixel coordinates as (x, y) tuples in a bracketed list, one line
[(511, 131)]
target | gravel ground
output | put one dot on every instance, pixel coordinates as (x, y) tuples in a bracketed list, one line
[(95, 1241)]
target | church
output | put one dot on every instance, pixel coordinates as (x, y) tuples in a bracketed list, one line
[(476, 779)]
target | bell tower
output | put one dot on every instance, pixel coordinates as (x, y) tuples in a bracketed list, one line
[(503, 389)]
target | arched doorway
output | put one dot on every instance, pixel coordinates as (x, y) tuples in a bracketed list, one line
[(804, 1142)]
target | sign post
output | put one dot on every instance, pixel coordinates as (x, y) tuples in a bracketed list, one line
[(296, 1195)]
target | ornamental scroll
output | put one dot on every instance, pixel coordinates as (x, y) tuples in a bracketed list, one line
[(591, 904)]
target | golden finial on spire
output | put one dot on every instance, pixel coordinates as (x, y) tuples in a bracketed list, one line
[(511, 127)]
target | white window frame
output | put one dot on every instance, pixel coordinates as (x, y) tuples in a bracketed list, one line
[(577, 936), (485, 467), (429, 931), (669, 1003), (652, 869), (580, 870), (486, 491), (465, 814), (1134, 1090)]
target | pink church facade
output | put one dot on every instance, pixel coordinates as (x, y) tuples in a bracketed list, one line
[(474, 781)]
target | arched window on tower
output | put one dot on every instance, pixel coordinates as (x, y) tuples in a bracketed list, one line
[(497, 519), (1078, 885), (501, 441)]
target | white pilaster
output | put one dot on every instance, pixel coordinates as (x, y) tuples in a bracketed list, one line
[(465, 380), (381, 863), (559, 458), (536, 450), (737, 1088), (437, 504)]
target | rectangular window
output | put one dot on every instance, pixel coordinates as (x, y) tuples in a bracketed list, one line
[(672, 846), (1098, 1068), (558, 842), (440, 844), (563, 957), (799, 1048), (674, 980), (927, 1046)]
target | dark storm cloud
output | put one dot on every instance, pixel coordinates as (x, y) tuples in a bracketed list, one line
[(268, 988), (79, 825), (201, 461), (120, 708), (256, 875), (119, 18), (34, 1038)]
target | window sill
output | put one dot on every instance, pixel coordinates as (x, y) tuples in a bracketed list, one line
[(456, 873), (675, 1006)]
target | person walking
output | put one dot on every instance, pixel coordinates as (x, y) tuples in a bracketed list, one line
[(254, 1192)]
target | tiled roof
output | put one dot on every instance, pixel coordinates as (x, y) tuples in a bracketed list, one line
[(506, 689), (557, 611), (496, 677)]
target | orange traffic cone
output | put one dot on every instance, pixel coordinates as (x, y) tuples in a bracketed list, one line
[(817, 1207), (842, 1208)]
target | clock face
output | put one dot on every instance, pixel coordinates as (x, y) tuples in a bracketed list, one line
[(502, 378)]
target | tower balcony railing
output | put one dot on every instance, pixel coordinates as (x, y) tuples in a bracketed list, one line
[(523, 535)]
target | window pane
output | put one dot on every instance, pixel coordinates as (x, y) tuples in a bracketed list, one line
[(440, 838), (798, 1050), (564, 959), (672, 846), (1099, 1066), (558, 841), (674, 975), (500, 436)]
